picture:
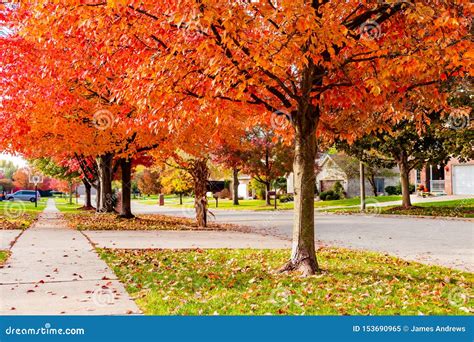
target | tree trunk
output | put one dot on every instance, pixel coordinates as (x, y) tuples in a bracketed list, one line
[(235, 184), (98, 197), (180, 199), (371, 180), (126, 205), (105, 174), (200, 173), (267, 190), (88, 197), (362, 185), (70, 192), (405, 180), (303, 255)]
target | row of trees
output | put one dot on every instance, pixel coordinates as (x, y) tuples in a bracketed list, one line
[(110, 85)]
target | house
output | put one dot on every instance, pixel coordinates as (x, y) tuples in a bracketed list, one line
[(244, 190), (454, 178), (344, 169)]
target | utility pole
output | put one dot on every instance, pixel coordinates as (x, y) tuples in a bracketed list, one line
[(362, 186)]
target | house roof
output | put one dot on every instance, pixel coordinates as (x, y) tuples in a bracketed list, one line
[(344, 162)]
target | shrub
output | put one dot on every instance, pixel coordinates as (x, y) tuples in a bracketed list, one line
[(329, 195), (286, 198), (397, 190), (411, 189), (392, 190), (338, 188)]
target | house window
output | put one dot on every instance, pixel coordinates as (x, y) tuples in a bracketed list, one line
[(418, 176), (380, 185)]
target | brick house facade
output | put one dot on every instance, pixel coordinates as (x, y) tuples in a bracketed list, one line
[(454, 178)]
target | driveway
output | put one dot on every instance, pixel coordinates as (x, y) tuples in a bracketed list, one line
[(432, 241)]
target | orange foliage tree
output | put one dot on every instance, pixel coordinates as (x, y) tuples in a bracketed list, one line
[(302, 65)]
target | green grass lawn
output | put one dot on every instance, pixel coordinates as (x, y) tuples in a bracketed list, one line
[(188, 202), (19, 214), (356, 201), (455, 208), (65, 207), (3, 257), (244, 282)]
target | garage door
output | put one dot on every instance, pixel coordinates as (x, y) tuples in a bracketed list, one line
[(463, 179)]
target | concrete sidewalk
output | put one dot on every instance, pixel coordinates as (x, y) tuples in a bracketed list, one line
[(54, 270)]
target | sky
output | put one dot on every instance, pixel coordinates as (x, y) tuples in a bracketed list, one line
[(17, 160)]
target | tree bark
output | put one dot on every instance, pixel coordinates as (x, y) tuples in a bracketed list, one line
[(303, 255), (404, 179), (267, 190), (200, 174), (105, 174), (235, 185), (98, 197), (70, 192), (126, 205), (362, 186), (371, 179), (88, 197), (180, 199)]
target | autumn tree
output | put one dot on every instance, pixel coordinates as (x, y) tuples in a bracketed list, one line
[(408, 146), (21, 179), (7, 168), (148, 182), (317, 62), (63, 105), (176, 181)]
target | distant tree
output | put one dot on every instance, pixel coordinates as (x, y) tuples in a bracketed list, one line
[(21, 179), (408, 144), (7, 168), (177, 181), (148, 182), (6, 185)]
